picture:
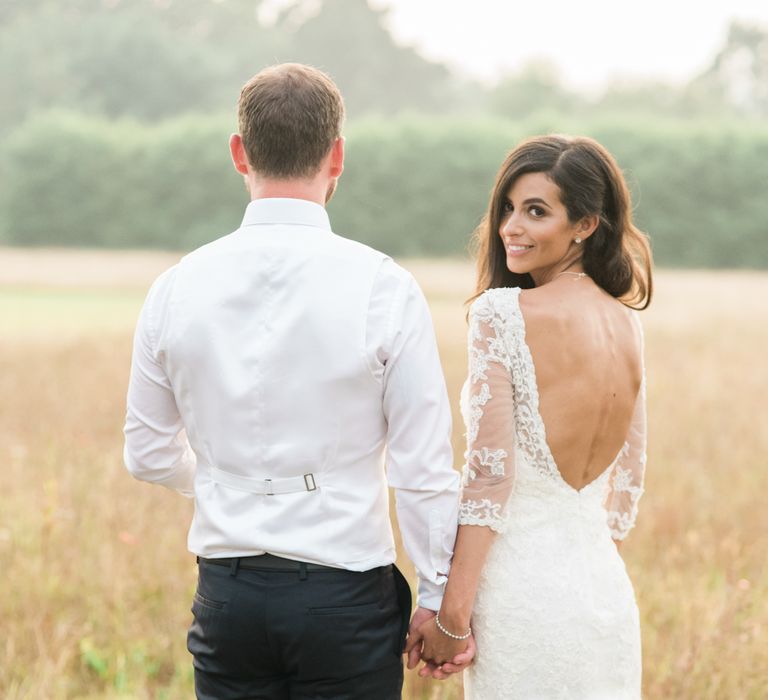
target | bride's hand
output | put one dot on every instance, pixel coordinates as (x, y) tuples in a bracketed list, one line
[(437, 647), (458, 664)]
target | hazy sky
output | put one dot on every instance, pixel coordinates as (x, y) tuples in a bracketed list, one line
[(589, 40)]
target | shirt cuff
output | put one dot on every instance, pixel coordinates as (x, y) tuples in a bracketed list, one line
[(430, 595), (180, 479)]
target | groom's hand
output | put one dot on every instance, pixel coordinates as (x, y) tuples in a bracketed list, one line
[(437, 647), (414, 640)]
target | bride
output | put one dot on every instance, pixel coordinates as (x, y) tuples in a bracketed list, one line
[(555, 412)]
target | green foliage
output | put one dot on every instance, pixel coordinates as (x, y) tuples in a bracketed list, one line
[(699, 190), (348, 39), (415, 186), (152, 60), (141, 59), (117, 670), (72, 180), (536, 87), (420, 186), (93, 659), (412, 185)]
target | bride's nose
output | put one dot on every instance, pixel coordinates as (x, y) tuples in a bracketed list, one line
[(510, 225)]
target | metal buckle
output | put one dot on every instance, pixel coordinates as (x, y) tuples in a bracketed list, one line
[(268, 487), (309, 482)]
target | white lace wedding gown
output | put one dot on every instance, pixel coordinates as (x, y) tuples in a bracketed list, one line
[(555, 615)]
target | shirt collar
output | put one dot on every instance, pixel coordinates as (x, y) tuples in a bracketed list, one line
[(283, 210)]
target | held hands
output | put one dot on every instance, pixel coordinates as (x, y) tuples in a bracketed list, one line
[(442, 655)]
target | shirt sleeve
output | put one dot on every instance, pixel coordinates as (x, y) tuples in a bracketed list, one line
[(156, 446), (489, 469), (419, 454), (626, 481)]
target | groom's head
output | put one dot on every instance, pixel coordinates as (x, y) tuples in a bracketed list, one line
[(290, 117)]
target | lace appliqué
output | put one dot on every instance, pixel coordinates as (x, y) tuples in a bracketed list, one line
[(492, 460), (483, 351), (476, 404), (509, 326), (621, 522), (483, 512)]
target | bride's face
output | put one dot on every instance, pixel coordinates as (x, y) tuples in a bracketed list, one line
[(537, 234)]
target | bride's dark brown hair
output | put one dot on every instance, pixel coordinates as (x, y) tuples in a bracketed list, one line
[(617, 256)]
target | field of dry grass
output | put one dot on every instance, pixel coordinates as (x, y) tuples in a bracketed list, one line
[(96, 580)]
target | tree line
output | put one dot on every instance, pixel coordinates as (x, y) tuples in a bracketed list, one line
[(115, 133), (412, 185), (156, 59)]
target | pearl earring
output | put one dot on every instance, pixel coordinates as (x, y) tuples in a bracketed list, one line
[(577, 240)]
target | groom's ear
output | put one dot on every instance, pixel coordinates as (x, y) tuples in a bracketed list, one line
[(337, 157), (237, 151)]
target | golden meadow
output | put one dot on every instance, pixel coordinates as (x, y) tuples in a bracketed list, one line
[(96, 582)]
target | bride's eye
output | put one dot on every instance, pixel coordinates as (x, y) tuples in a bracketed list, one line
[(537, 212), (507, 208)]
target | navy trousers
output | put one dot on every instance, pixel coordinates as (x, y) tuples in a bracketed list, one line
[(296, 635)]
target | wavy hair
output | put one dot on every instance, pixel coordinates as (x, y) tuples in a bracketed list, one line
[(617, 256)]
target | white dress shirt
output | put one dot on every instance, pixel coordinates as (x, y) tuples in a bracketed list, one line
[(270, 370)]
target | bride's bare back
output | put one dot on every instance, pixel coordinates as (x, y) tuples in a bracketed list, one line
[(586, 349)]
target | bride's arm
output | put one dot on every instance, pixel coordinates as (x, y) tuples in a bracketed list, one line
[(488, 477), (472, 545), (626, 481)]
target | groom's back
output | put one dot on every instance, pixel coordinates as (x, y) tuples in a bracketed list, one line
[(265, 349), (268, 343)]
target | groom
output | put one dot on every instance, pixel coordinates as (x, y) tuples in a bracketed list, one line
[(270, 370)]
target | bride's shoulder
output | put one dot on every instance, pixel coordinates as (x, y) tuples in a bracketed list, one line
[(496, 298), (542, 304), (499, 301), (559, 307)]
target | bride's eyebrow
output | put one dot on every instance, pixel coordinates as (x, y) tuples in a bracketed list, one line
[(536, 200)]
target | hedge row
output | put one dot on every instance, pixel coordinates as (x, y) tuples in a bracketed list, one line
[(412, 186)]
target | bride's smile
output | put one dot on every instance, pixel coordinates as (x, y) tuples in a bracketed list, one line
[(539, 238)]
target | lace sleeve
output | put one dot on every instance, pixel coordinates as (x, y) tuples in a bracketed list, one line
[(488, 473), (626, 482)]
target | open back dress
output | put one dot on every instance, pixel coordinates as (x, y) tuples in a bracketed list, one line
[(555, 614)]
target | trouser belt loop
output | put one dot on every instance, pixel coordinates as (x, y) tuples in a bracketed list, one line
[(234, 566), (302, 571)]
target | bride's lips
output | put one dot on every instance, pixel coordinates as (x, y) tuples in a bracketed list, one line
[(515, 249)]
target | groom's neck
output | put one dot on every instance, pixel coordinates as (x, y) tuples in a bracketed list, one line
[(312, 190)]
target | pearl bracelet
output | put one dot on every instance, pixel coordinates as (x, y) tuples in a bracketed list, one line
[(450, 634)]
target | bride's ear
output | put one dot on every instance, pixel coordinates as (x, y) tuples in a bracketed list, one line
[(587, 226)]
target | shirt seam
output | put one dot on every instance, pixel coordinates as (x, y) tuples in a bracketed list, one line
[(152, 336), (397, 305), (286, 223), (389, 324)]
